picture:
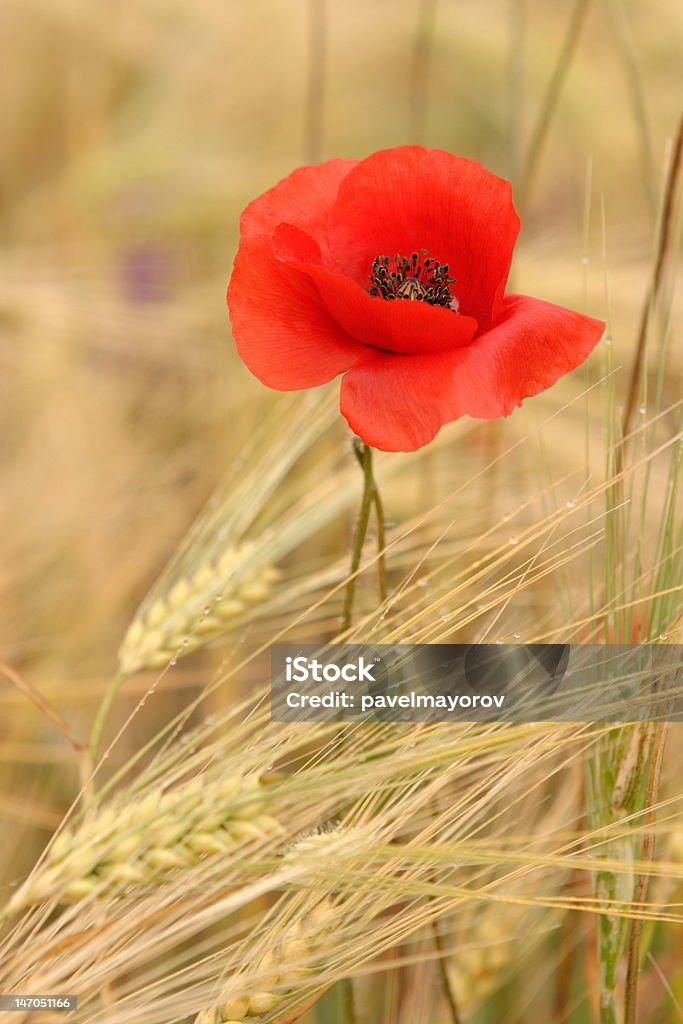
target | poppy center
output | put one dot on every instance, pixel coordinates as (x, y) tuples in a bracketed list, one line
[(417, 277)]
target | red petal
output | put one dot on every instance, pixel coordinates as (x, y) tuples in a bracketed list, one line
[(304, 198), (399, 325), (291, 244), (409, 198), (282, 332), (398, 403), (533, 344)]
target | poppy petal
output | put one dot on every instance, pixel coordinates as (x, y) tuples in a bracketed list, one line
[(399, 325), (409, 198), (291, 244), (282, 331), (304, 198), (532, 345), (398, 403)]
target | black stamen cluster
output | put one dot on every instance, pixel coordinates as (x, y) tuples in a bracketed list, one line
[(417, 277)]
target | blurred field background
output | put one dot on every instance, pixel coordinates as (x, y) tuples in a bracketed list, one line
[(133, 135)]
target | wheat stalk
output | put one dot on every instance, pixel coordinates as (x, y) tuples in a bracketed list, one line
[(149, 841), (285, 967), (197, 608)]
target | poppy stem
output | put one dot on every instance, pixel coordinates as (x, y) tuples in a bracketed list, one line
[(370, 499), (379, 516)]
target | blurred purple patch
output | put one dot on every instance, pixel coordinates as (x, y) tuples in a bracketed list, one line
[(146, 273)]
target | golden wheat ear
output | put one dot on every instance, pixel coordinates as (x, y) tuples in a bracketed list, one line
[(198, 609), (288, 1016), (286, 969), (150, 840)]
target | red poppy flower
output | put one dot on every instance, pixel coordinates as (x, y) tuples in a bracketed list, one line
[(392, 271)]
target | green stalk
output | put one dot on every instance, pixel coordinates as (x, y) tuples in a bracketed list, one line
[(337, 1005), (102, 715), (619, 793), (550, 101), (646, 854), (370, 499)]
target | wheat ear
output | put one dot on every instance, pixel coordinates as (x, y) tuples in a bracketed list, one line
[(490, 954), (286, 967), (197, 608), (149, 840)]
